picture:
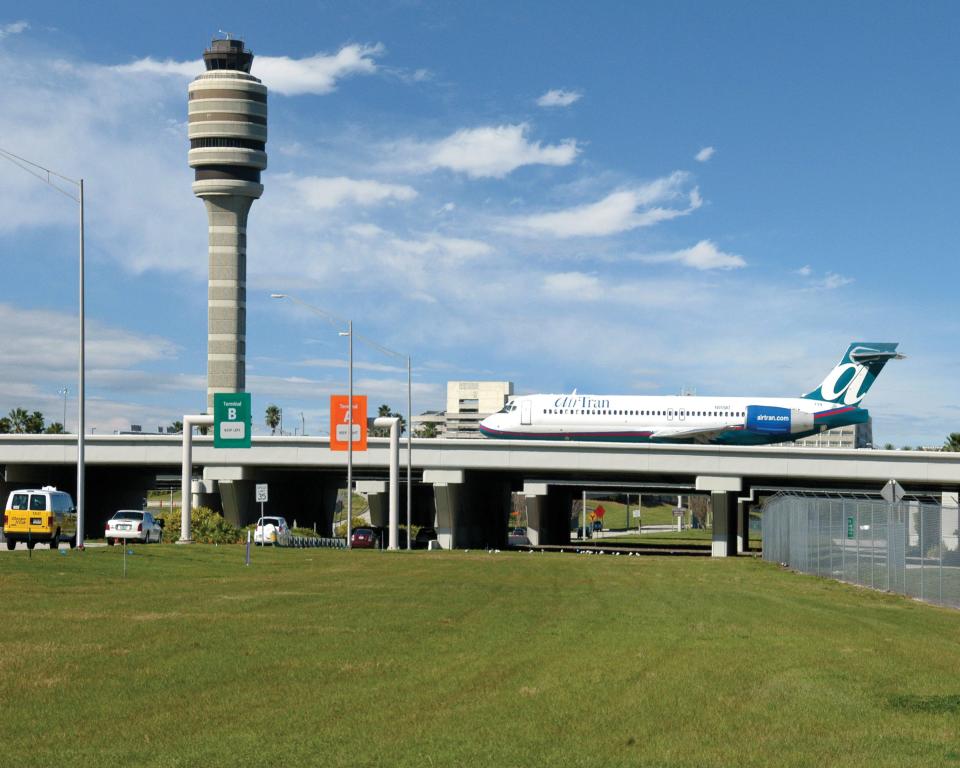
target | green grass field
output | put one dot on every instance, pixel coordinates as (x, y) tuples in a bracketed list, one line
[(333, 658), (617, 515)]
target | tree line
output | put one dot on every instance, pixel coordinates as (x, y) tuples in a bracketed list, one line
[(273, 418), (22, 422)]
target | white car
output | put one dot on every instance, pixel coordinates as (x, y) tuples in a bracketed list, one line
[(272, 530), (133, 524)]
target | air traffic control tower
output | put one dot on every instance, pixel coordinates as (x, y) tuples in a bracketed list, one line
[(228, 135)]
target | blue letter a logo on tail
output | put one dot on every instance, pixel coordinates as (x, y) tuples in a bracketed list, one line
[(849, 381)]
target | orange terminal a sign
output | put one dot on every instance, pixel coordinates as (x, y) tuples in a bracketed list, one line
[(340, 424)]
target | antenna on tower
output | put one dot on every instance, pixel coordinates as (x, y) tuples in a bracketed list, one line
[(225, 34)]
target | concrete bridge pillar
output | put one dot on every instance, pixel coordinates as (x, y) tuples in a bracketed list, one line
[(237, 493), (743, 525), (535, 500), (472, 510), (378, 501), (723, 494), (548, 513), (206, 493), (452, 530)]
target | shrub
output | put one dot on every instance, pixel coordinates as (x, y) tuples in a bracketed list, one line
[(358, 522), (206, 527)]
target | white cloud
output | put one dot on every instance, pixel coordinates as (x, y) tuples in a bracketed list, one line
[(703, 256), (330, 192), (365, 231), (705, 154), (35, 340), (572, 285), (14, 28), (316, 74), (151, 66), (833, 280), (485, 152), (620, 211), (454, 247), (557, 97), (830, 281)]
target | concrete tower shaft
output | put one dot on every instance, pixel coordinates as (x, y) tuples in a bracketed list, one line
[(227, 117)]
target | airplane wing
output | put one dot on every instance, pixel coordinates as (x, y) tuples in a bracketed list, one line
[(696, 434)]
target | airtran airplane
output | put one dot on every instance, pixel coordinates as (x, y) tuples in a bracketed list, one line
[(691, 419)]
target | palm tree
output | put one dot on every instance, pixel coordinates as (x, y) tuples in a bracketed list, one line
[(272, 418), (5, 426), (35, 423), (953, 442), (384, 411), (177, 427), (54, 429), (18, 420), (427, 429)]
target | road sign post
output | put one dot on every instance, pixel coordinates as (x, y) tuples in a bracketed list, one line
[(262, 497), (232, 422)]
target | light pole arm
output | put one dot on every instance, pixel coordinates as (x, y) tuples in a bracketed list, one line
[(186, 495)]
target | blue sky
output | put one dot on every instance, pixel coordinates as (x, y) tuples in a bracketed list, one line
[(632, 198)]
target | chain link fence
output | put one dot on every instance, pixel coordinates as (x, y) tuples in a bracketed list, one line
[(908, 547)]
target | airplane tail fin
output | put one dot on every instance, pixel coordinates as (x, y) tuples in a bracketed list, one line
[(849, 381)]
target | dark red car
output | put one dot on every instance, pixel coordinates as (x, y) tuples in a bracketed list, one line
[(365, 538)]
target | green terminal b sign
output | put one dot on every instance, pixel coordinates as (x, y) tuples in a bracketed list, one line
[(232, 424)]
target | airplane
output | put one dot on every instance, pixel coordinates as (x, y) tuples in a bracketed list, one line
[(692, 419)]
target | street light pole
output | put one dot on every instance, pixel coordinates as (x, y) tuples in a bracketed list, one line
[(409, 451), (81, 420), (44, 175), (63, 392), (349, 334)]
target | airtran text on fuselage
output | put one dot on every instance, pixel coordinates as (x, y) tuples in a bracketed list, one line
[(581, 402)]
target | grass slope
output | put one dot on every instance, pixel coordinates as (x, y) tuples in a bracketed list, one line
[(313, 657)]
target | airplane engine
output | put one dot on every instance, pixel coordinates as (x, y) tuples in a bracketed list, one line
[(770, 420)]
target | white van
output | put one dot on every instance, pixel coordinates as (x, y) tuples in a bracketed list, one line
[(39, 514)]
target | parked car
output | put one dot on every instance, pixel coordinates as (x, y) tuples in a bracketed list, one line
[(39, 514), (133, 524), (517, 536), (365, 538), (272, 530), (424, 537)]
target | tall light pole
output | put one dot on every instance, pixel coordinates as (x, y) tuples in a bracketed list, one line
[(349, 332), (63, 391), (45, 174)]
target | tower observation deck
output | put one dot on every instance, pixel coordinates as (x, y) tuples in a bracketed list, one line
[(227, 117)]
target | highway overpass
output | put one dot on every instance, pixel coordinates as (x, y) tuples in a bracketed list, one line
[(462, 487)]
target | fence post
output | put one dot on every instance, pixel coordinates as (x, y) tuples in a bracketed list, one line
[(922, 550), (858, 545)]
